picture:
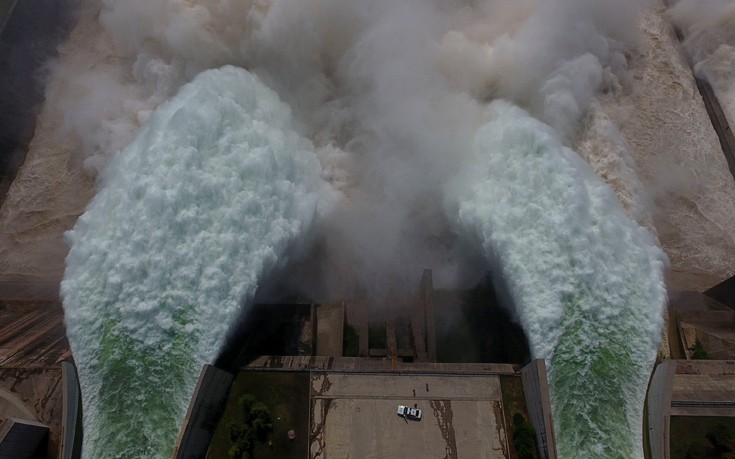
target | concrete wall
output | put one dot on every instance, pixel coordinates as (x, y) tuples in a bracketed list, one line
[(658, 402), (714, 110), (71, 417), (204, 411), (719, 122), (536, 390), (23, 439), (329, 329)]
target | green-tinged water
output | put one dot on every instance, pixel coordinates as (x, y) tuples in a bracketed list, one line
[(587, 281), (204, 202)]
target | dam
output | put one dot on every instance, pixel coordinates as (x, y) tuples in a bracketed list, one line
[(390, 182)]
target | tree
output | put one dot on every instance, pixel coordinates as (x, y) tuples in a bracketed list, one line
[(524, 437), (721, 437), (698, 352), (254, 425)]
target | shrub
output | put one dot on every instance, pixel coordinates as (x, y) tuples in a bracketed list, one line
[(698, 352), (524, 437), (721, 437), (254, 425)]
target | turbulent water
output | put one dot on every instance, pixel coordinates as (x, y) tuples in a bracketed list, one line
[(709, 38), (586, 280), (204, 202), (216, 187)]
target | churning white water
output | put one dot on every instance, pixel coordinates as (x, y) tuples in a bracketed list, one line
[(709, 38), (586, 280), (204, 202), (216, 187)]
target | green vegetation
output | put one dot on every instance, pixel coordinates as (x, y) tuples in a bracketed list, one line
[(721, 437), (524, 437), (254, 425), (285, 396), (350, 341), (709, 437), (698, 352)]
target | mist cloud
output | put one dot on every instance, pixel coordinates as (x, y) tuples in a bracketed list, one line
[(389, 93), (709, 32)]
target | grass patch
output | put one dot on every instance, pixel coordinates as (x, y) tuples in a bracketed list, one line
[(286, 394), (514, 403), (702, 436)]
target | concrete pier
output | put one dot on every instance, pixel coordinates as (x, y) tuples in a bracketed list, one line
[(536, 390), (658, 403), (71, 424), (205, 408)]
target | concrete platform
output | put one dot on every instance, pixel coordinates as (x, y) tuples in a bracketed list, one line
[(354, 415), (360, 365)]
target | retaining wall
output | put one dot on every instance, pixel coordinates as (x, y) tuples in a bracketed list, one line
[(658, 402), (536, 391), (71, 417), (204, 411)]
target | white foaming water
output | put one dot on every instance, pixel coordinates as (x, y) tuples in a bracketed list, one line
[(587, 281), (205, 201), (382, 87), (709, 32)]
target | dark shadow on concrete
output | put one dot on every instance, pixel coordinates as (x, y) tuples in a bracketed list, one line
[(21, 438), (473, 326), (724, 292), (264, 329)]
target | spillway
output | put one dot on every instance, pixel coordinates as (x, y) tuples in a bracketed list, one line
[(205, 201), (587, 281), (217, 187)]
